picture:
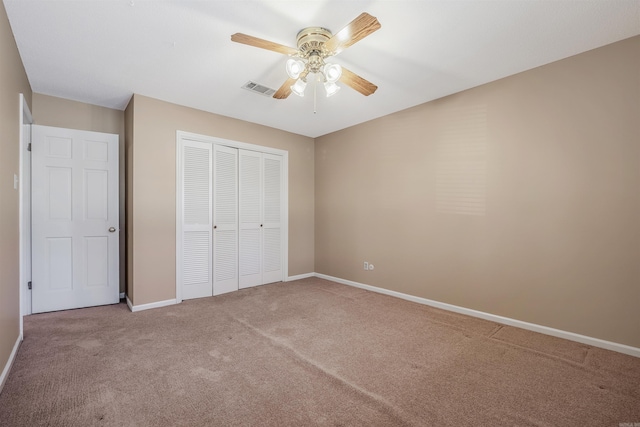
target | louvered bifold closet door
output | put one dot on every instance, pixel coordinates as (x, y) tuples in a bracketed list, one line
[(272, 218), (225, 220), (250, 163), (197, 219)]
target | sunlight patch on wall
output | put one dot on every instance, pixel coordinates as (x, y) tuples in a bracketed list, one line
[(461, 167)]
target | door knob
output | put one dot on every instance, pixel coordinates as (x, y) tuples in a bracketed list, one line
[(112, 229)]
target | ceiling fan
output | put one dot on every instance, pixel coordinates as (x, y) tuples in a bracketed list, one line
[(315, 45)]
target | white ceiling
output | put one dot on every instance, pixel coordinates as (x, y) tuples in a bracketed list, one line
[(102, 51)]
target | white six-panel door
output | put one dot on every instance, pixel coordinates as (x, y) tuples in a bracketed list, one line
[(74, 219)]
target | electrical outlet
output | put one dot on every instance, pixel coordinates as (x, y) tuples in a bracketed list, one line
[(366, 265), (370, 266)]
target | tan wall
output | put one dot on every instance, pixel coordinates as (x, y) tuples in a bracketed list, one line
[(557, 242), (13, 81), (153, 184), (58, 112)]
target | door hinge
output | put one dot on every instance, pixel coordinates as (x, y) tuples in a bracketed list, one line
[(28, 285), (29, 147)]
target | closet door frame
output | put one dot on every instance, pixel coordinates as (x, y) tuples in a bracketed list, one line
[(182, 136)]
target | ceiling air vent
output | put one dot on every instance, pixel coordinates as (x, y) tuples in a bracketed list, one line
[(262, 90)]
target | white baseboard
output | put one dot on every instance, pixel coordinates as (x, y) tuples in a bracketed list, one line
[(9, 364), (300, 276), (151, 305), (595, 342)]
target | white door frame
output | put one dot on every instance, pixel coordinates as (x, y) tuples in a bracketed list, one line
[(26, 119), (181, 136)]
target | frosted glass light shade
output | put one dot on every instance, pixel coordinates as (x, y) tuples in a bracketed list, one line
[(294, 68), (331, 88), (299, 87), (332, 72)]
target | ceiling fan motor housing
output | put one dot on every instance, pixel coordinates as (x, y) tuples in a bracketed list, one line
[(311, 41)]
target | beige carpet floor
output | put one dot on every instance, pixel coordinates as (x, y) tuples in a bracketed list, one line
[(309, 352)]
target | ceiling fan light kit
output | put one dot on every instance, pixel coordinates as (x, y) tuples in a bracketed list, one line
[(328, 73), (314, 46), (311, 59)]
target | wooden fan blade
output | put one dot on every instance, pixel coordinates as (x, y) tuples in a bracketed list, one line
[(356, 82), (263, 44), (357, 29), (285, 89)]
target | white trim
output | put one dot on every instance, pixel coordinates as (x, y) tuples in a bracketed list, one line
[(300, 276), (181, 136), (229, 143), (179, 203), (151, 305), (9, 364), (24, 293), (595, 342)]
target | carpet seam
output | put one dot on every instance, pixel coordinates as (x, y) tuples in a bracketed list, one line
[(389, 408), (541, 353), (495, 331), (364, 293)]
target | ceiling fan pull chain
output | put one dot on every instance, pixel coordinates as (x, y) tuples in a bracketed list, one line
[(315, 85)]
